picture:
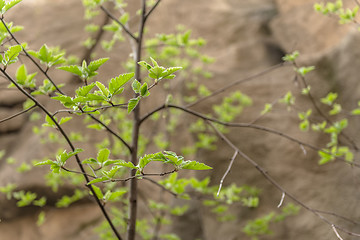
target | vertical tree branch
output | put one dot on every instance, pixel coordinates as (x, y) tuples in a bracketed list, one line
[(131, 230)]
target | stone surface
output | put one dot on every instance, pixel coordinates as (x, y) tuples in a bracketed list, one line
[(246, 37)]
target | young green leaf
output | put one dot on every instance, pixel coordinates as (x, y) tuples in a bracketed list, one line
[(94, 65), (132, 104), (194, 165)]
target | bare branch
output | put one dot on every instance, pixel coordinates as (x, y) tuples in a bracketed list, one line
[(18, 114), (152, 9), (118, 22), (223, 89), (226, 172)]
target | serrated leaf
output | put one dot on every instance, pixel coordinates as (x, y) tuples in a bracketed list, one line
[(125, 164), (111, 173), (10, 5), (117, 82), (83, 91), (47, 162), (103, 89), (194, 165), (145, 64), (64, 120), (114, 195), (155, 64), (94, 65), (11, 55), (89, 161), (72, 69), (132, 104)]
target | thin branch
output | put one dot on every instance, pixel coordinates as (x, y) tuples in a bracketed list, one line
[(226, 172), (161, 186), (118, 22), (244, 125), (152, 9), (112, 132), (133, 189), (223, 89), (77, 172), (139, 176), (18, 114), (277, 185)]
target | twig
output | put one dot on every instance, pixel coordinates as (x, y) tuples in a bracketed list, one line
[(112, 132), (152, 9), (336, 232), (17, 114), (161, 186), (77, 172), (118, 22), (226, 172), (223, 89)]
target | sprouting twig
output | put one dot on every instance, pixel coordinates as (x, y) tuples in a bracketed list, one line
[(336, 232), (281, 200), (226, 172)]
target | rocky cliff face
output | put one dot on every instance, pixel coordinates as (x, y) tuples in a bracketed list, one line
[(246, 37)]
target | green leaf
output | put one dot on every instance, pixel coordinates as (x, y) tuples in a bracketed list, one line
[(72, 69), (117, 82), (132, 104), (89, 161), (11, 55), (103, 89), (145, 64), (144, 92), (49, 122), (64, 120), (101, 179), (103, 155), (113, 196), (21, 74), (83, 91), (41, 219), (194, 165), (329, 99), (9, 5), (94, 65), (125, 164), (136, 85), (98, 192)]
